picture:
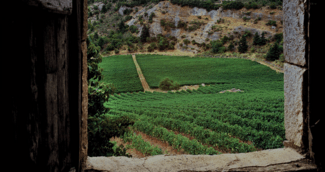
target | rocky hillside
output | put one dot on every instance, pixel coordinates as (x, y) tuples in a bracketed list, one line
[(197, 26)]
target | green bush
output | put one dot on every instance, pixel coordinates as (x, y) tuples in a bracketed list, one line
[(273, 5), (216, 45), (231, 46), (186, 42), (273, 53), (242, 45), (116, 51), (232, 5), (281, 58), (133, 29), (271, 23), (224, 40), (278, 37), (167, 84)]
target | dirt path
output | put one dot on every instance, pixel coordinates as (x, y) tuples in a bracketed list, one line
[(142, 79)]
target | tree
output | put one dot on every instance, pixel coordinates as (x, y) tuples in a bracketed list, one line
[(144, 33), (273, 53), (262, 40), (95, 36), (256, 40), (121, 27), (216, 45), (104, 9), (231, 46), (242, 45)]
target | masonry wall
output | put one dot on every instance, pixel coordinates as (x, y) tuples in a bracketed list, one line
[(302, 46), (45, 47)]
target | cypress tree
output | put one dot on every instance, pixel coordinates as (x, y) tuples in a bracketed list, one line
[(242, 45), (144, 33), (256, 40), (262, 40), (273, 53)]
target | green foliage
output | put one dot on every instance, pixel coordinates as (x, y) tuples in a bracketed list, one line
[(144, 33), (273, 5), (256, 40), (232, 5), (245, 18), (281, 58), (242, 45), (224, 40), (278, 37), (271, 23), (133, 29), (167, 84), (273, 53), (231, 46), (125, 80), (216, 46), (186, 41), (127, 18), (247, 33), (151, 16), (101, 129)]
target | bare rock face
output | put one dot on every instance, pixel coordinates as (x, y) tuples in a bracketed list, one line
[(293, 106), (198, 11), (155, 28), (293, 39), (121, 10)]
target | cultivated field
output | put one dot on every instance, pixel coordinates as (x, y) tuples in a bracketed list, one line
[(203, 121), (121, 71)]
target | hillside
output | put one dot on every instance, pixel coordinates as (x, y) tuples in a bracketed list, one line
[(181, 29)]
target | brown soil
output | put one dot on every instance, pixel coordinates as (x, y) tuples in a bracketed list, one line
[(135, 153)]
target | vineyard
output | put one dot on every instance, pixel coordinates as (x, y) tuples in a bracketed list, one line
[(120, 71), (192, 71), (216, 122)]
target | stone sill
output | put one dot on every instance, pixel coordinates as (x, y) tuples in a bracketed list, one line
[(282, 159)]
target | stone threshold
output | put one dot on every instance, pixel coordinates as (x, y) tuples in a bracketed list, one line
[(282, 159)]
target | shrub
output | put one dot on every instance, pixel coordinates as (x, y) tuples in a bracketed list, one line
[(232, 5), (272, 12), (199, 17), (247, 33), (256, 40), (252, 49), (273, 5), (167, 84), (224, 39), (216, 45), (231, 46), (186, 41), (271, 23), (242, 45), (281, 58), (245, 18), (133, 29), (116, 51), (278, 37), (207, 39), (273, 53)]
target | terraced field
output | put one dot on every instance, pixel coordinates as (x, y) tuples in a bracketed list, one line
[(205, 121)]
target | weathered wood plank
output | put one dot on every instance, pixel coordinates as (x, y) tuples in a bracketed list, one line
[(63, 98), (51, 94)]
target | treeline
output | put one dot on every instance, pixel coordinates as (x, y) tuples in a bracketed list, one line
[(209, 5)]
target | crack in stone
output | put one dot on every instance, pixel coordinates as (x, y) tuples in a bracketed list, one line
[(230, 163), (144, 166)]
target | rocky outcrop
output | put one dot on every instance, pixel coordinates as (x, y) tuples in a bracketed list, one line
[(121, 10), (176, 13)]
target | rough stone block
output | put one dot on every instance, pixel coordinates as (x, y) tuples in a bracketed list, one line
[(60, 6), (294, 78), (294, 32)]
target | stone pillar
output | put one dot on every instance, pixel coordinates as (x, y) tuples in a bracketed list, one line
[(295, 74)]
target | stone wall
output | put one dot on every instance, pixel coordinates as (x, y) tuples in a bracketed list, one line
[(295, 74)]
